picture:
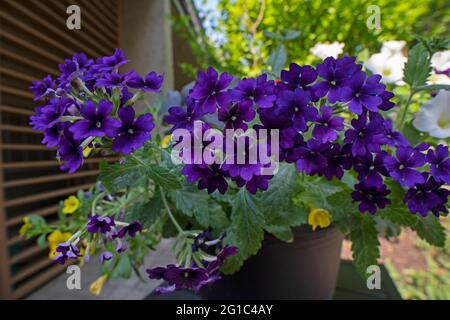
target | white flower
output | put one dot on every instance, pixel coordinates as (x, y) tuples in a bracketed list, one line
[(434, 116), (440, 61), (393, 47), (389, 64), (324, 50)]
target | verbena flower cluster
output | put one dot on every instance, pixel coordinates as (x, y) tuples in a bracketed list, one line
[(307, 105), (90, 104)]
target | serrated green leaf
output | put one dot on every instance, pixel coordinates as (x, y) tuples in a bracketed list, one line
[(282, 232), (433, 87), (365, 244), (123, 267), (116, 177), (168, 179), (430, 229), (246, 230), (398, 214), (277, 59), (417, 68), (148, 212)]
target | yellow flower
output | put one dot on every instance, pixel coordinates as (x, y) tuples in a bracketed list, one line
[(71, 205), (97, 285), (54, 239), (319, 218), (165, 141), (87, 152), (26, 226)]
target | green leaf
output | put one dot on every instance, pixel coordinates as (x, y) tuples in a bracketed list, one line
[(148, 212), (292, 35), (277, 59), (433, 87), (246, 230), (343, 210), (168, 179), (414, 135), (417, 68), (42, 240), (398, 214), (365, 244), (116, 177), (123, 267), (282, 232), (431, 230)]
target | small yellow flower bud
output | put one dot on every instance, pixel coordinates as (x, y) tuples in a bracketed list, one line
[(97, 285), (71, 205), (319, 218)]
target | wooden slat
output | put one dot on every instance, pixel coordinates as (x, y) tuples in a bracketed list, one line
[(45, 195), (48, 163), (52, 178), (31, 15), (41, 212), (16, 110), (37, 281), (28, 62), (31, 269), (32, 250), (16, 92), (16, 74), (108, 5), (100, 21), (14, 128), (27, 45), (25, 147)]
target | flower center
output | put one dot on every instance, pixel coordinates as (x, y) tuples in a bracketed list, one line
[(444, 123), (401, 167), (186, 274), (333, 82), (130, 131), (98, 124), (386, 72), (233, 118)]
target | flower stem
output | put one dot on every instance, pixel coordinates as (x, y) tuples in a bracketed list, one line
[(405, 111), (169, 212)]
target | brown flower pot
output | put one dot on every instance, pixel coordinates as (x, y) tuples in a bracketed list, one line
[(307, 268)]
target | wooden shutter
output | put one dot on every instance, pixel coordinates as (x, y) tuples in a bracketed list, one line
[(34, 39)]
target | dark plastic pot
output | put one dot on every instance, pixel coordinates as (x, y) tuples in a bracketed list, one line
[(307, 268)]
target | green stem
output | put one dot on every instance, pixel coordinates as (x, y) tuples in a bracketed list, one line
[(405, 111), (169, 212)]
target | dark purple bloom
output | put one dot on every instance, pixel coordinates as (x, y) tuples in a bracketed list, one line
[(386, 104), (365, 137), (125, 96), (111, 63), (335, 72), (156, 273), (295, 103), (224, 254), (365, 92), (185, 278), (97, 122), (152, 81), (53, 135), (112, 80), (69, 72), (66, 251), (290, 142), (394, 138), (133, 228), (210, 89), (327, 126), (42, 88), (100, 223), (133, 133), (105, 256), (237, 115), (256, 183), (402, 169), (427, 196), (312, 158), (254, 91), (336, 161), (439, 163), (71, 152), (184, 117), (370, 197), (371, 169), (48, 115), (300, 77)]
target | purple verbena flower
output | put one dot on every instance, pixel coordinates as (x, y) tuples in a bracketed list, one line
[(255, 91), (371, 169), (312, 158), (97, 122), (111, 63), (42, 88), (300, 77), (365, 137), (184, 117), (113, 80), (402, 168), (365, 91), (370, 197), (65, 251), (48, 115), (439, 163), (296, 104), (394, 138), (71, 152), (97, 223), (105, 256), (152, 81), (133, 228), (133, 133), (237, 115), (326, 126)]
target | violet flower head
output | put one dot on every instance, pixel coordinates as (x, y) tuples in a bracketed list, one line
[(296, 104), (65, 251), (371, 169), (69, 72), (42, 88), (427, 196), (237, 115), (151, 83), (335, 73), (386, 104), (254, 91), (133, 228), (48, 115), (300, 77), (97, 122), (365, 137), (327, 126), (210, 89), (184, 117), (365, 92), (370, 197), (105, 256), (222, 256), (133, 133), (312, 158), (394, 138), (336, 162), (97, 223), (402, 167), (113, 80), (111, 63), (439, 163), (71, 152)]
